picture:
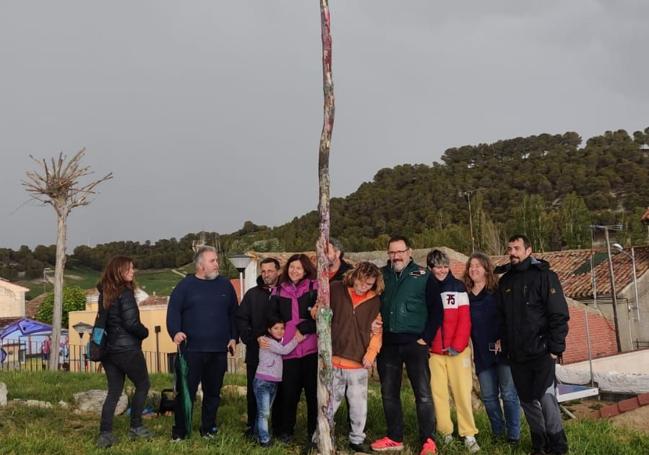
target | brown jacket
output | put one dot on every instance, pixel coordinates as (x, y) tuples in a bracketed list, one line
[(351, 327)]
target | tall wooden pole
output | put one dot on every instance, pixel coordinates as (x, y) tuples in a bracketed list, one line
[(326, 444)]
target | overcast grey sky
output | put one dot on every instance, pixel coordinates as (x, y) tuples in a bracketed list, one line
[(209, 112)]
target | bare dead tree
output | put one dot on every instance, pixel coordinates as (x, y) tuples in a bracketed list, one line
[(326, 444), (57, 183)]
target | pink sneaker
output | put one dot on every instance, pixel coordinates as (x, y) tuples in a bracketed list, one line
[(429, 447), (385, 444)]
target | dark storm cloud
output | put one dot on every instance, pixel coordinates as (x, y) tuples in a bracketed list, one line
[(209, 113)]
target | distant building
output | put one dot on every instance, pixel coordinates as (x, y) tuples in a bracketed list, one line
[(159, 349), (593, 288), (12, 300)]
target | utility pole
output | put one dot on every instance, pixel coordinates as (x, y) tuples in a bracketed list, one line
[(606, 229), (636, 318), (467, 194)]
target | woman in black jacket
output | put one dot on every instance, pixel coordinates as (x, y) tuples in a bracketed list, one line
[(124, 355)]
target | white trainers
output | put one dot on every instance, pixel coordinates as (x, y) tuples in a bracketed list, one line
[(448, 439), (471, 444)]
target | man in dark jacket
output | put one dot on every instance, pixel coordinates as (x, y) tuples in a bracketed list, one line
[(535, 316), (411, 310), (201, 320), (337, 265), (251, 322)]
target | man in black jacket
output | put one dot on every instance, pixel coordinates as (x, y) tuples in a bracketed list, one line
[(251, 322), (535, 317), (337, 265)]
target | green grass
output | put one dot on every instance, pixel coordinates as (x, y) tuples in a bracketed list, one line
[(159, 281), (83, 277), (26, 430)]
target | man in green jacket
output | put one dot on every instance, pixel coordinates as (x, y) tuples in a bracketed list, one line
[(411, 309)]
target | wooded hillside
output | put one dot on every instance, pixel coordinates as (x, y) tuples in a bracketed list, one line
[(550, 187)]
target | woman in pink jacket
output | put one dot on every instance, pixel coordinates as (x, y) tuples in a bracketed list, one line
[(291, 302)]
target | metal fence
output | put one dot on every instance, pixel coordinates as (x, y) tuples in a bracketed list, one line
[(24, 354), (641, 344)]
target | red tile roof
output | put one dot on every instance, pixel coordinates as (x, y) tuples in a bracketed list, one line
[(573, 268), (154, 300), (32, 307), (237, 287)]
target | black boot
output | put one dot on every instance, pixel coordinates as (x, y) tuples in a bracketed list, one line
[(539, 442), (557, 443)]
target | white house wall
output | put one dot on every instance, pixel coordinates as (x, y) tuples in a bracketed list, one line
[(622, 373), (12, 303), (642, 326)]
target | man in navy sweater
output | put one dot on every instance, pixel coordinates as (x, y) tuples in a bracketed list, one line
[(201, 319)]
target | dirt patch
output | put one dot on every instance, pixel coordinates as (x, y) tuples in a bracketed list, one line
[(74, 277), (584, 408), (636, 419)]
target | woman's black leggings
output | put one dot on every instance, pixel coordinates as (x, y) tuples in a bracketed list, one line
[(117, 366)]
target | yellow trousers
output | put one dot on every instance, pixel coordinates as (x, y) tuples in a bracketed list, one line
[(453, 372)]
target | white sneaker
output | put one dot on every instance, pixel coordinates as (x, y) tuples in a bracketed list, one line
[(448, 439), (471, 444)]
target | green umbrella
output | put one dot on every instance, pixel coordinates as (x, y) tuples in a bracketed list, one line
[(182, 390)]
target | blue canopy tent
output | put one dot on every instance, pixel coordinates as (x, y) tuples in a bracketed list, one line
[(22, 328), (25, 327)]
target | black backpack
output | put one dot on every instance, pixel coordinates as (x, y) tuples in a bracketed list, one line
[(167, 402)]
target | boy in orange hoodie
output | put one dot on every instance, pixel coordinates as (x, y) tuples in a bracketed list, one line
[(356, 305)]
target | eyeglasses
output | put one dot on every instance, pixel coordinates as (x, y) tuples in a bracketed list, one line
[(394, 253)]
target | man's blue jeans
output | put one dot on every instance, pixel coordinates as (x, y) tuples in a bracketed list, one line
[(496, 383), (265, 392)]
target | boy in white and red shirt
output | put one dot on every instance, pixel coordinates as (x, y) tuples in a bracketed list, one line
[(450, 360)]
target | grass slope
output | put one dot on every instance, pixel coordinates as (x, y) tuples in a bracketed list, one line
[(160, 282), (25, 430)]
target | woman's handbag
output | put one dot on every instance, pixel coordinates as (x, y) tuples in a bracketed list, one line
[(96, 347)]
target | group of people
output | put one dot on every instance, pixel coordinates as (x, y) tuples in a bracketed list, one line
[(64, 351), (288, 300), (438, 326)]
